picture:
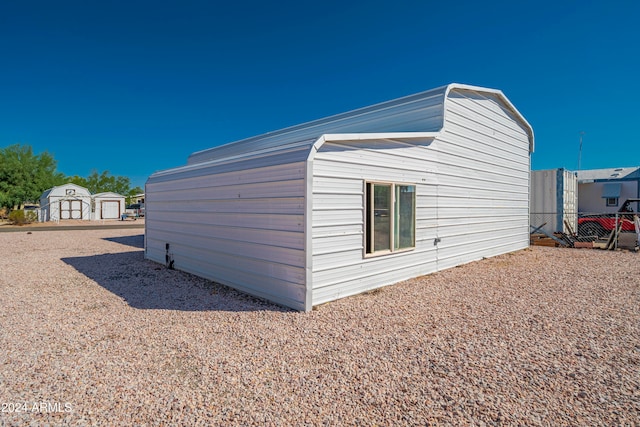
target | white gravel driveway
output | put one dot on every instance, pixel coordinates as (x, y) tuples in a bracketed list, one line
[(92, 334)]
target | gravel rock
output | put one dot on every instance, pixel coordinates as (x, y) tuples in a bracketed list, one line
[(93, 334)]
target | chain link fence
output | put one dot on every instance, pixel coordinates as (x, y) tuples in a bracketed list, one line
[(605, 230)]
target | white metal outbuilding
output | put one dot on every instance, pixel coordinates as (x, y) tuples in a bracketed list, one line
[(554, 200), (108, 205), (68, 201), (349, 203)]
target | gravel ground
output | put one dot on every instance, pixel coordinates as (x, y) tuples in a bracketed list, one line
[(92, 334)]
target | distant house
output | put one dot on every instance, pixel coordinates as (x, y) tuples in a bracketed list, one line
[(68, 201), (136, 198), (604, 190)]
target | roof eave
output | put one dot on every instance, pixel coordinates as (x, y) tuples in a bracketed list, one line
[(406, 137)]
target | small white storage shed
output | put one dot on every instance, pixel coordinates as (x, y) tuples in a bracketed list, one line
[(68, 201), (108, 206), (350, 203)]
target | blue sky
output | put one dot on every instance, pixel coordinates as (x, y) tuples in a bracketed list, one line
[(136, 86)]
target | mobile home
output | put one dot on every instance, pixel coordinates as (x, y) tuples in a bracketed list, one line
[(605, 190)]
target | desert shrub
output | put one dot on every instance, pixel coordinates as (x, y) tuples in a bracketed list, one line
[(19, 217), (30, 216)]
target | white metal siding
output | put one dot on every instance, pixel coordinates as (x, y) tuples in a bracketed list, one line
[(483, 179), (554, 200), (271, 216), (241, 228), (340, 171), (570, 201), (472, 192)]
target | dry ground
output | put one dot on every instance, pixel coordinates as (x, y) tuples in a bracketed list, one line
[(91, 333)]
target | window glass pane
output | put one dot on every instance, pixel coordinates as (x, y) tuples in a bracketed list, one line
[(382, 217), (404, 226)]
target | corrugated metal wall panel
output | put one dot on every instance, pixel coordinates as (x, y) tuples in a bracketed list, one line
[(569, 212), (543, 191), (337, 230), (255, 220), (224, 233), (345, 242), (257, 190), (470, 250), (484, 190), (340, 281), (290, 206), (273, 158), (221, 260), (487, 154), (482, 112), (339, 265), (472, 192), (489, 224), (192, 178), (391, 161), (279, 257), (242, 228), (323, 218), (554, 200), (256, 278), (382, 170)]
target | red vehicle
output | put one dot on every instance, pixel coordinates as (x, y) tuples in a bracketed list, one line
[(602, 225)]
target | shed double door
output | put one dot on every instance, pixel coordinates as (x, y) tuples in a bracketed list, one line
[(71, 209)]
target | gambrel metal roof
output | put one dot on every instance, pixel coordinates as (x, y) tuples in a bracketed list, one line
[(415, 117)]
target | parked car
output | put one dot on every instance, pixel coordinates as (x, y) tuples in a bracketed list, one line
[(601, 225), (135, 210)]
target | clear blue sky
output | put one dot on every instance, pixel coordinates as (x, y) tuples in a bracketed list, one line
[(136, 86)]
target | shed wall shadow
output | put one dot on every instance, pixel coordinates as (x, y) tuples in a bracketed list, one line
[(145, 284), (136, 241)]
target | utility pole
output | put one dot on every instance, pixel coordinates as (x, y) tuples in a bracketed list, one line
[(580, 150)]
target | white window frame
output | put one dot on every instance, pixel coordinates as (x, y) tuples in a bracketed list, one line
[(369, 215)]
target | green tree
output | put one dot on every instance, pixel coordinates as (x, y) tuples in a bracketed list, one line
[(133, 192), (24, 175), (102, 182)]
